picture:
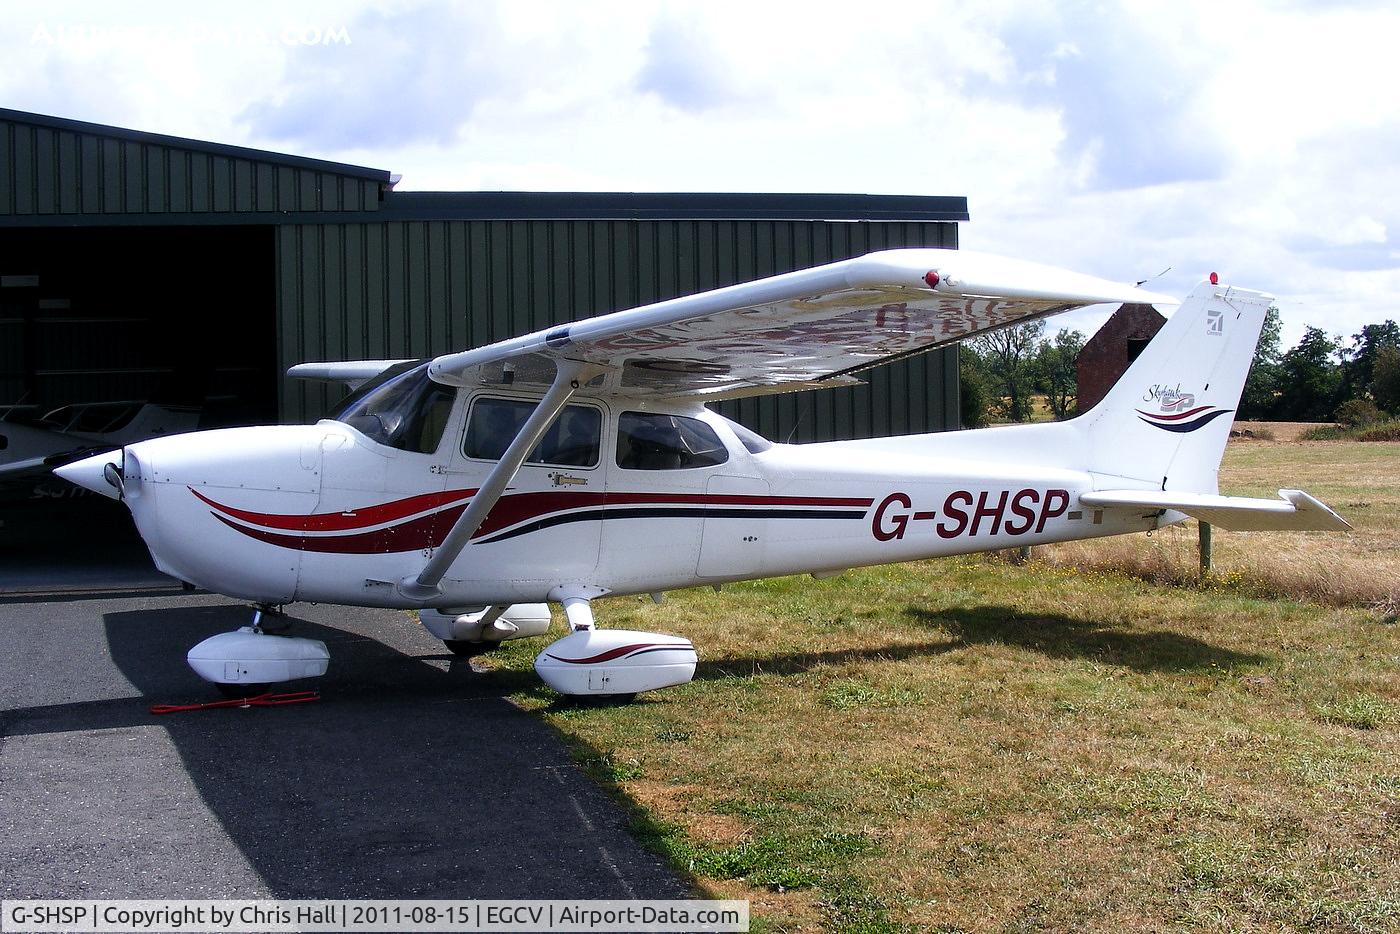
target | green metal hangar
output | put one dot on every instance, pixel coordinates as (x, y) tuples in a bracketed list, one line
[(139, 266)]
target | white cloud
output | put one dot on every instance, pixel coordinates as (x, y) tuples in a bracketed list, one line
[(1256, 140)]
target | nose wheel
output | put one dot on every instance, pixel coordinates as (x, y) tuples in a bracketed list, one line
[(464, 648), (240, 691)]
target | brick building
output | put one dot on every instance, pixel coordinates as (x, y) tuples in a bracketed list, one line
[(1108, 352)]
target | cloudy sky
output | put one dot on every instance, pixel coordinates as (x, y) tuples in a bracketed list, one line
[(1258, 139)]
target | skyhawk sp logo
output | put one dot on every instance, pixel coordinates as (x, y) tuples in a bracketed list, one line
[(1177, 410)]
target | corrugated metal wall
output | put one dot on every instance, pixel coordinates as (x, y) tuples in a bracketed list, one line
[(360, 278), (51, 170), (418, 288)]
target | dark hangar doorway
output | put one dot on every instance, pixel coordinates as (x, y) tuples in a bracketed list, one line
[(184, 317), (177, 315)]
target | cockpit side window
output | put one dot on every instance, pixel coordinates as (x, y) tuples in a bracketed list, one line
[(647, 441), (407, 411), (572, 441)]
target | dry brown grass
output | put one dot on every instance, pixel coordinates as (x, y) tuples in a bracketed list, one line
[(1301, 567), (1276, 431), (1361, 568)]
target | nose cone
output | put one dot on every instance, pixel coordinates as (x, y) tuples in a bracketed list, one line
[(101, 473)]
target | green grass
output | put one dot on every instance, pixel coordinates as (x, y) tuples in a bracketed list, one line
[(989, 747), (847, 694), (1374, 431), (966, 745), (1359, 711)]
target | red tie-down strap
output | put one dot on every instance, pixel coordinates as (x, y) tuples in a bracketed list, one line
[(262, 700)]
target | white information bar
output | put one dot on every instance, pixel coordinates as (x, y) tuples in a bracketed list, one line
[(368, 915)]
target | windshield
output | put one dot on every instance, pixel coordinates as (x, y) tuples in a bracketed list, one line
[(403, 409), (752, 441)]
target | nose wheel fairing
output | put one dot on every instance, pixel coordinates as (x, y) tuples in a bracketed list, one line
[(253, 657)]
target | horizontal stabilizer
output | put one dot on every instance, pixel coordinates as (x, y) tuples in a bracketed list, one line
[(353, 373), (1294, 510)]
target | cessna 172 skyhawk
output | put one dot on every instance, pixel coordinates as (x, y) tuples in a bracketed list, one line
[(581, 460)]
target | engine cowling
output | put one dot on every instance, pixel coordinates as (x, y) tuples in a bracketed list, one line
[(601, 662)]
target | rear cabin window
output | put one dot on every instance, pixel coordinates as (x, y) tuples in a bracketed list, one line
[(572, 441), (666, 442)]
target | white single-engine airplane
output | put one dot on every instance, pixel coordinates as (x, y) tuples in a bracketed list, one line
[(581, 461)]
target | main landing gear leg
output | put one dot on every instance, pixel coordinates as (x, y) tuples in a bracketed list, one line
[(579, 612)]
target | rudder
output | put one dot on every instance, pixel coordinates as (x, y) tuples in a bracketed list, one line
[(1167, 419)]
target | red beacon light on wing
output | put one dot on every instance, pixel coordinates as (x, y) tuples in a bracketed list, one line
[(932, 278)]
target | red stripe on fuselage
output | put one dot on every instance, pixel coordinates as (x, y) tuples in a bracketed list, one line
[(521, 507), (345, 520), (428, 531), (423, 532)]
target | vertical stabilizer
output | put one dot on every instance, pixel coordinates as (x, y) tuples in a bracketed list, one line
[(1166, 420)]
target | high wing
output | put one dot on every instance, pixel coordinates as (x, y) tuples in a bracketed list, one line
[(808, 329), (1294, 510)]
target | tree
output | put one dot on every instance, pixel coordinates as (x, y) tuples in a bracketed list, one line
[(1309, 379), (1385, 379), (1056, 374), (1006, 356), (1262, 386), (1359, 368), (973, 396)]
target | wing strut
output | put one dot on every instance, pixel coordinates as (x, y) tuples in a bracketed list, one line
[(568, 376)]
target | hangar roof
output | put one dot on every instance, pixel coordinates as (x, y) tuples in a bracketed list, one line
[(60, 172), (64, 124), (624, 205)]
